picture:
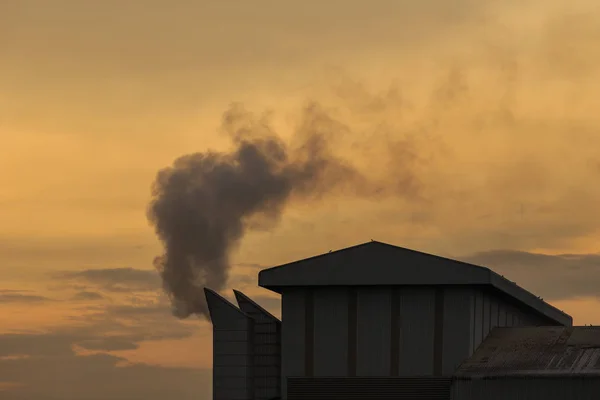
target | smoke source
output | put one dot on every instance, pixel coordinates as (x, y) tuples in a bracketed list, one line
[(204, 203)]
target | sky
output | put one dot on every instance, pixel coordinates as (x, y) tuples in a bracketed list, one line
[(481, 115)]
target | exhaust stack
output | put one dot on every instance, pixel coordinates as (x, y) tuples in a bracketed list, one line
[(246, 349)]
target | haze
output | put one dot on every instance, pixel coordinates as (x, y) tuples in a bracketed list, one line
[(482, 114)]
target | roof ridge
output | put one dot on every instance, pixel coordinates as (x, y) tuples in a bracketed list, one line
[(371, 242), (322, 255)]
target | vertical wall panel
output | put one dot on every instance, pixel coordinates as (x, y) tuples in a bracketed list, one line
[(396, 332), (469, 313), (267, 348), (352, 331), (486, 315), (502, 315), (373, 332), (472, 295), (232, 349), (457, 328), (510, 319), (438, 330), (309, 332), (478, 328), (494, 314), (292, 335), (514, 311), (417, 306), (331, 332)]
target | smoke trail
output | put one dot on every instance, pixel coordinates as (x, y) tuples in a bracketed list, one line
[(203, 204)]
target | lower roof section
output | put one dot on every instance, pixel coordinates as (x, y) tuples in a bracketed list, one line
[(375, 263), (537, 351)]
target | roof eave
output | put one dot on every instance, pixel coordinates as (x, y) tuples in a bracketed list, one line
[(530, 300)]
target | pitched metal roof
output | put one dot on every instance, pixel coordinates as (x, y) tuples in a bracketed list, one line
[(222, 311), (376, 263), (253, 309), (536, 351)]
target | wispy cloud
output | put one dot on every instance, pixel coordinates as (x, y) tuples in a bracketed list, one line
[(17, 296), (84, 348), (99, 376), (554, 277), (87, 296), (114, 279)]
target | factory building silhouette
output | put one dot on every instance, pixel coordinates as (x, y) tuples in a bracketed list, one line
[(376, 321)]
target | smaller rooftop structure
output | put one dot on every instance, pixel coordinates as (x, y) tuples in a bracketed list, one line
[(380, 264), (535, 352)]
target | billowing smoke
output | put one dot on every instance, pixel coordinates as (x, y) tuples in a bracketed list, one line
[(204, 203)]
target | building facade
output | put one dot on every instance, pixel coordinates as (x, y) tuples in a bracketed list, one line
[(550, 363), (377, 316)]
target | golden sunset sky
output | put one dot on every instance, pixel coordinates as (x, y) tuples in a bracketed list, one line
[(484, 115)]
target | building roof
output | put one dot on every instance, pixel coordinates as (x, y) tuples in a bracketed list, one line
[(536, 351), (222, 312), (253, 309), (376, 263)]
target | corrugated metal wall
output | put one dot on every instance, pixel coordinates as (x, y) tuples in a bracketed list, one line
[(232, 350), (373, 346), (369, 388), (458, 323), (293, 332), (527, 389), (330, 311), (417, 321), (489, 311), (267, 349), (397, 331)]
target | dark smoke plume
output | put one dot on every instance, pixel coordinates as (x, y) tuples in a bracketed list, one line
[(203, 204)]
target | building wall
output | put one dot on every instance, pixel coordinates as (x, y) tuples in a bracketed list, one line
[(458, 327), (371, 388), (558, 388), (490, 310), (373, 345), (330, 314), (388, 331), (266, 362), (417, 326), (293, 335), (232, 350)]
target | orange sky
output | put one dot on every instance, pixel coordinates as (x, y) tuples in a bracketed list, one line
[(497, 101)]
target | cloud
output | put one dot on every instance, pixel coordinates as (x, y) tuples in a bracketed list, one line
[(52, 252), (135, 323), (28, 358), (39, 344), (148, 311), (108, 344), (87, 296), (100, 376), (554, 277), (17, 296), (138, 311), (115, 279), (112, 328)]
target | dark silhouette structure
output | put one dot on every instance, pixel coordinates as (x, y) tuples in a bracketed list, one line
[(373, 321)]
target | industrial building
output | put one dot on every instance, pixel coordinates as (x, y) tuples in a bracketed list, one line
[(377, 321), (532, 363)]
